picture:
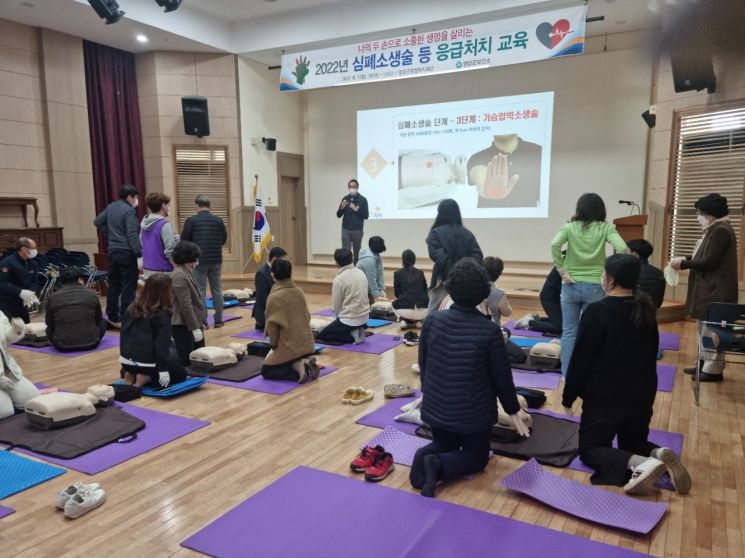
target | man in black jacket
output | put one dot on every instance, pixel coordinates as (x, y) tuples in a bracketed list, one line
[(651, 279), (122, 228), (264, 282), (74, 319), (353, 210), (207, 231), (19, 280)]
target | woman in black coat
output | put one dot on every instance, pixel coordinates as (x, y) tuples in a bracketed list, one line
[(448, 241), (410, 290), (464, 368)]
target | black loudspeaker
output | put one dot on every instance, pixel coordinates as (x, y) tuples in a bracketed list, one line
[(271, 143), (693, 70), (107, 9), (196, 117), (650, 118)]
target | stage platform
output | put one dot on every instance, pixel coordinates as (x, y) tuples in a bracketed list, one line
[(522, 287)]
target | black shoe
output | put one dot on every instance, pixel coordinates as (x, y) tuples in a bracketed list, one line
[(704, 377), (416, 476), (219, 324), (690, 370), (432, 473)]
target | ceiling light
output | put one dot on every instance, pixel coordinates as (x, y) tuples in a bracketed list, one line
[(622, 21), (107, 9), (269, 1), (141, 38), (169, 5)]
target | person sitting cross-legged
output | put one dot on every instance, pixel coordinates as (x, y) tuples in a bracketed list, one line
[(288, 329)]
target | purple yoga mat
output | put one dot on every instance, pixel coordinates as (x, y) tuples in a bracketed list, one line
[(225, 318), (6, 511), (580, 500), (375, 344), (254, 334), (535, 380), (669, 341), (665, 377), (523, 332), (313, 513), (274, 387), (401, 446), (328, 312), (109, 341), (384, 416), (160, 428)]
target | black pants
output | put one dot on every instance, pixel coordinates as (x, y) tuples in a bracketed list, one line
[(175, 371), (337, 332), (283, 371), (553, 322), (185, 344), (122, 277), (460, 454), (101, 331), (598, 427)]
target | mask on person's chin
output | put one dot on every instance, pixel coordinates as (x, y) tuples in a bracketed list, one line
[(33, 253), (703, 221)]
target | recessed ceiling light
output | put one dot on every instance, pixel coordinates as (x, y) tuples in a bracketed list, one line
[(622, 21), (141, 38), (27, 4), (269, 1)]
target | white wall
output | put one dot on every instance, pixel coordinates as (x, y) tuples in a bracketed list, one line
[(265, 112), (599, 144)]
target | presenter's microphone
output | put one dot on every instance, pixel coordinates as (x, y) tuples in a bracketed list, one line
[(626, 202)]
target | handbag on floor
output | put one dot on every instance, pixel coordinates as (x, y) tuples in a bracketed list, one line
[(125, 392), (258, 348), (534, 397)]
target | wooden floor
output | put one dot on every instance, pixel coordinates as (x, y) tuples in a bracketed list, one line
[(160, 498)]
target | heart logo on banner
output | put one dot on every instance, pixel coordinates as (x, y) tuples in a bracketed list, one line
[(551, 35)]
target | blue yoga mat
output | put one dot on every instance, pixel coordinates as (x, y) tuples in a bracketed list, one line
[(190, 384), (660, 353), (375, 322), (19, 473), (225, 304), (526, 342)]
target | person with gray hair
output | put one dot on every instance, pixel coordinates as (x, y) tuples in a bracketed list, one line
[(207, 231), (18, 280)]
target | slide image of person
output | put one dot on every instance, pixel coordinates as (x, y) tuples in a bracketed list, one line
[(426, 177), (507, 173)]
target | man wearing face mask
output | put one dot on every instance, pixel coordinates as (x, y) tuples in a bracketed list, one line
[(119, 222), (18, 280), (156, 235), (353, 211)]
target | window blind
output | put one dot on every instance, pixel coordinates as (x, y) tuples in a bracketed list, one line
[(202, 170), (710, 157)]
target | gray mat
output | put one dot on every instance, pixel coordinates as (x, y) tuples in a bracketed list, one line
[(245, 369)]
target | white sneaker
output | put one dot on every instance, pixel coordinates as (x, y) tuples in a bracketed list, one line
[(402, 324), (415, 368), (524, 322), (678, 473), (644, 476), (419, 325), (83, 502), (62, 497)]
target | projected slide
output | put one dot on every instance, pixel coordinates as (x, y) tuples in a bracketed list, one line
[(493, 156)]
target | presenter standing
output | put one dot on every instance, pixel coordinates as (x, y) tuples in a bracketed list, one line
[(353, 211)]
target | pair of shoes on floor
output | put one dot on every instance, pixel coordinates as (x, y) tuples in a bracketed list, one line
[(391, 391), (661, 461), (426, 471), (411, 339), (357, 395), (375, 462), (78, 499)]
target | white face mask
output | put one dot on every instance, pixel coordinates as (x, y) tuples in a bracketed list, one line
[(33, 253), (703, 221), (136, 202), (353, 191)]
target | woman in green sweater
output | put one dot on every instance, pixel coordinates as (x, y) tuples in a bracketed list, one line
[(585, 236)]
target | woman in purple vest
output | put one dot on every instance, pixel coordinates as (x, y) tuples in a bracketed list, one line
[(156, 235)]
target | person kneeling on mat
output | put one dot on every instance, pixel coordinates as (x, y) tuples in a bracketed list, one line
[(188, 310), (15, 389), (74, 318), (349, 301), (410, 290), (460, 387), (288, 329), (147, 353), (613, 370)]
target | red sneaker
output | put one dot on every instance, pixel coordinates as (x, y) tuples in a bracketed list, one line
[(380, 469), (366, 458)]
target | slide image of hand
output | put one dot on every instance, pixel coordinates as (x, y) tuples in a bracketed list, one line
[(302, 68), (498, 184)]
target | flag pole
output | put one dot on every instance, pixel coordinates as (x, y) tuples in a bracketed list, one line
[(256, 183)]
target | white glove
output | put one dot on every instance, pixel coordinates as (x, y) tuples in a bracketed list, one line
[(18, 326), (568, 411), (139, 263), (520, 427), (198, 335), (28, 298), (6, 384), (164, 378)]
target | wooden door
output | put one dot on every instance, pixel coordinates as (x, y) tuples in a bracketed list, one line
[(288, 215)]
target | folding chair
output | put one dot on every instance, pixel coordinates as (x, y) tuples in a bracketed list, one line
[(727, 322)]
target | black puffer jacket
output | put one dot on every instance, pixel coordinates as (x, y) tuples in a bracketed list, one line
[(410, 289), (209, 233), (447, 244), (652, 282), (147, 340), (464, 369)]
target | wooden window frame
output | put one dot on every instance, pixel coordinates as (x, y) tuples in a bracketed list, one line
[(678, 115), (179, 209)]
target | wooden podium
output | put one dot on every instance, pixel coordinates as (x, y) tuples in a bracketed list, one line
[(631, 227)]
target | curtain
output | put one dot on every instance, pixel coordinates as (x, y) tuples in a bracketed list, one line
[(114, 123)]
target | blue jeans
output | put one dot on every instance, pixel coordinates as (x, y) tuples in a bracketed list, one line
[(574, 299), (211, 273)]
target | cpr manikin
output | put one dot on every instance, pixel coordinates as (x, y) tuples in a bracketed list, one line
[(15, 389), (426, 177)]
